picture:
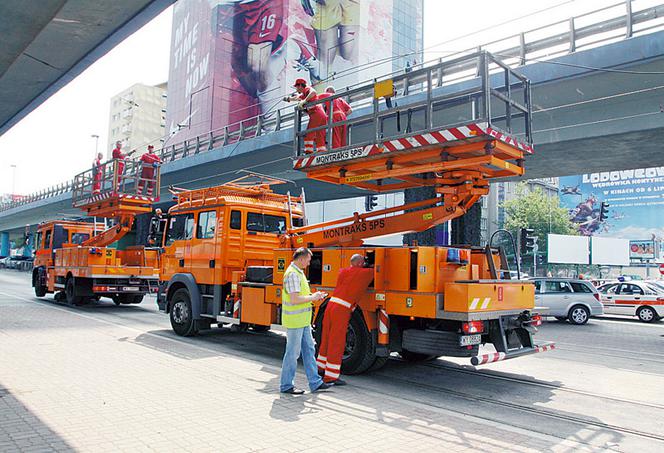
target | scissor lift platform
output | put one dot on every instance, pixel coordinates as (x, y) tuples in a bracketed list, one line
[(428, 152), (116, 189)]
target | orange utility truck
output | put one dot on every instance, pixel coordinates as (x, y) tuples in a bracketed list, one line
[(81, 261), (226, 248)]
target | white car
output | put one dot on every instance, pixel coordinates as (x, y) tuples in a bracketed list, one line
[(567, 299), (634, 298)]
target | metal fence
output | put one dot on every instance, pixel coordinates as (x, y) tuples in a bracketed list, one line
[(610, 23), (126, 177)]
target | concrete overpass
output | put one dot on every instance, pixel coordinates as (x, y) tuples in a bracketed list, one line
[(595, 110), (46, 44)]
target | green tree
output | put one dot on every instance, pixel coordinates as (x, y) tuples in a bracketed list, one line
[(534, 209)]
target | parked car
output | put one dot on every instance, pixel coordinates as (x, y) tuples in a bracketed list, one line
[(657, 283), (16, 262), (634, 298), (567, 299)]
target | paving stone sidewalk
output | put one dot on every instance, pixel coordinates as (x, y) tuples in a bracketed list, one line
[(76, 381)]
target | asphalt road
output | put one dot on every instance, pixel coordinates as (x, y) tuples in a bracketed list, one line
[(602, 387)]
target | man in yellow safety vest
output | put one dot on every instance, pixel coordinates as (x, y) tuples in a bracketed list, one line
[(296, 309)]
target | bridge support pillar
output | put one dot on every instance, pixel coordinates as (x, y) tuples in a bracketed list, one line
[(4, 243), (438, 235), (466, 229)]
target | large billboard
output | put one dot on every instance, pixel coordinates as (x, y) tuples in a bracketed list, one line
[(635, 198), (234, 59)]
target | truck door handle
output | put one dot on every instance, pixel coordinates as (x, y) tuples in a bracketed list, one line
[(637, 298), (181, 263)]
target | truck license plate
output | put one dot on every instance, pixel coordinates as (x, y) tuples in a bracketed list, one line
[(469, 340), (129, 288)]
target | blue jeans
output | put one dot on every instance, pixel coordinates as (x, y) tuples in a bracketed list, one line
[(299, 341)]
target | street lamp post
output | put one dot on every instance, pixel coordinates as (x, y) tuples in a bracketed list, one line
[(96, 137)]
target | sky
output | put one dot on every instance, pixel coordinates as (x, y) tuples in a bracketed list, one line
[(53, 143)]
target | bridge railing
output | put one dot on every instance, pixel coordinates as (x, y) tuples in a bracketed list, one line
[(610, 23)]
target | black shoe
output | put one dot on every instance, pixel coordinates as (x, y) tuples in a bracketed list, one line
[(338, 382), (323, 386), (293, 391)]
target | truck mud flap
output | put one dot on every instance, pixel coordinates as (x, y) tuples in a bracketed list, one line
[(498, 356), (435, 343)]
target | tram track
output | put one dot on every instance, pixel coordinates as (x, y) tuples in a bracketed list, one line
[(577, 420), (556, 387)]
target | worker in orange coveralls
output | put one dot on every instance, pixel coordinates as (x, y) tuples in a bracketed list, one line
[(340, 111), (352, 283), (150, 161), (317, 116)]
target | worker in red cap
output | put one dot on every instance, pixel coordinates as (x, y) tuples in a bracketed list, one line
[(317, 116), (149, 162), (352, 284), (340, 111), (120, 156)]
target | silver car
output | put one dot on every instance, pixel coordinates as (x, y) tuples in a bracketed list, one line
[(567, 299)]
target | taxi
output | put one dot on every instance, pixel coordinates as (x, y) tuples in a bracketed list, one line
[(633, 298)]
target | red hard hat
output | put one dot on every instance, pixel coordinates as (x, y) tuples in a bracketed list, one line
[(300, 82)]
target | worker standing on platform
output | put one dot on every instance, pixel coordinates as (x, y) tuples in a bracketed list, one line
[(97, 171), (120, 156), (296, 309), (352, 283), (340, 111), (317, 116), (149, 161)]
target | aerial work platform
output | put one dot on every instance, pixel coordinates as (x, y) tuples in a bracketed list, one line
[(465, 130), (117, 188)]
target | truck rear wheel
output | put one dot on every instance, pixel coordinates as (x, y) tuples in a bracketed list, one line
[(70, 292), (359, 354), (181, 315)]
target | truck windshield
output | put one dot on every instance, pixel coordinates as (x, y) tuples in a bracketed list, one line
[(266, 223)]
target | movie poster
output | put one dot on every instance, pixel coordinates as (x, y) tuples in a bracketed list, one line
[(635, 198), (235, 59)]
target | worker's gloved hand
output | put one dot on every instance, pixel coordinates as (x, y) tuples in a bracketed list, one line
[(300, 105), (287, 99)]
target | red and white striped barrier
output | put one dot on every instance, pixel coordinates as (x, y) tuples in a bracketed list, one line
[(498, 356), (472, 130), (236, 309), (383, 327)]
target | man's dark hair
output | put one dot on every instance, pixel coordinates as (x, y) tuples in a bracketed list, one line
[(302, 251)]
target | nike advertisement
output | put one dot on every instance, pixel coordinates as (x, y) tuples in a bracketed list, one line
[(232, 60)]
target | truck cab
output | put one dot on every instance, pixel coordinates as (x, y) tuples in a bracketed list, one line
[(211, 236)]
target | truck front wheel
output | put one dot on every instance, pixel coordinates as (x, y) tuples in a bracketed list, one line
[(182, 320), (40, 290)]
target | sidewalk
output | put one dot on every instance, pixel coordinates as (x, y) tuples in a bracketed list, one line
[(78, 380)]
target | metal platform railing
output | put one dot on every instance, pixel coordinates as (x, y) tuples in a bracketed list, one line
[(493, 93), (126, 178), (619, 20)]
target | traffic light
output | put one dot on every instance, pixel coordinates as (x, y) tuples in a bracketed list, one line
[(526, 239), (603, 211), (370, 202)]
